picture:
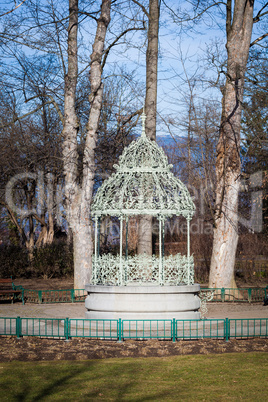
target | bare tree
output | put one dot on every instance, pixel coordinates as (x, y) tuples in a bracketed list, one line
[(239, 19), (145, 223), (239, 23), (30, 162), (78, 195)]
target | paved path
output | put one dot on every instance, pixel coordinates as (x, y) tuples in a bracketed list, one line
[(77, 310), (57, 310)]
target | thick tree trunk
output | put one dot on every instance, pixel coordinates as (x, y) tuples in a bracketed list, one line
[(30, 241), (145, 235), (82, 248), (145, 222), (78, 197), (239, 30), (95, 99)]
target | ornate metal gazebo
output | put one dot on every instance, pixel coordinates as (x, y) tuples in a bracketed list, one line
[(142, 184)]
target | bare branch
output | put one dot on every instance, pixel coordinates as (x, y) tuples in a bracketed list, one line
[(260, 13), (137, 113), (13, 9), (258, 39), (59, 42), (89, 14), (142, 7), (17, 118), (180, 19), (117, 39)]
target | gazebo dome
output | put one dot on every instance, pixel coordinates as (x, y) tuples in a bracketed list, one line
[(143, 184)]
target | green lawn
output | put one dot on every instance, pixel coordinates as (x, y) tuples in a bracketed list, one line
[(224, 377)]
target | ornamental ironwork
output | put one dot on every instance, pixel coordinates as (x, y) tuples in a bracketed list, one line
[(143, 184)]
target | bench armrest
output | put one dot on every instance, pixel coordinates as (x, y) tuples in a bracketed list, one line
[(17, 287)]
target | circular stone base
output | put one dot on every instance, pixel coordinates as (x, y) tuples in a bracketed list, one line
[(143, 302)]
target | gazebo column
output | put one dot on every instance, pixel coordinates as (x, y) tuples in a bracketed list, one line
[(161, 252), (126, 252), (121, 252), (99, 233), (126, 249), (188, 248), (96, 251)]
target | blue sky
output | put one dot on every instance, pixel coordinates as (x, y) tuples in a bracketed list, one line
[(174, 44)]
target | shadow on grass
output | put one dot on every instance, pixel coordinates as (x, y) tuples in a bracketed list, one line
[(151, 379), (87, 380)]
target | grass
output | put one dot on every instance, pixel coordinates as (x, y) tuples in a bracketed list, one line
[(226, 377)]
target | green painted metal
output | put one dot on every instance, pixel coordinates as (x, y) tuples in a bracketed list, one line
[(248, 328), (120, 330), (239, 295), (141, 269), (66, 328), (227, 329), (55, 296), (250, 295), (85, 328), (174, 330), (18, 327), (142, 184), (135, 329), (21, 296), (43, 327), (15, 296), (147, 329), (8, 326), (199, 329)]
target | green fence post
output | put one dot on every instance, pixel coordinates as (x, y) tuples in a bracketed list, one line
[(18, 327), (249, 294), (72, 295), (40, 296), (227, 322), (222, 294), (119, 335), (174, 330), (66, 329)]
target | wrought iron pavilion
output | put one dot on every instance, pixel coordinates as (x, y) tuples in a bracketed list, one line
[(142, 184)]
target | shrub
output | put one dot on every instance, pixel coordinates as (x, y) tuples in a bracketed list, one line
[(14, 261), (55, 260)]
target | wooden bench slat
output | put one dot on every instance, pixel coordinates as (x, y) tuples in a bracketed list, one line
[(9, 291)]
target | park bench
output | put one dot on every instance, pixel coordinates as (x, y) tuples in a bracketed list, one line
[(8, 291)]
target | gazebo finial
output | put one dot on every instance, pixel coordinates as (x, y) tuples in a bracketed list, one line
[(143, 118)]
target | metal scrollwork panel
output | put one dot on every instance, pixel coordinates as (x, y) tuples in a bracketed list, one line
[(143, 269)]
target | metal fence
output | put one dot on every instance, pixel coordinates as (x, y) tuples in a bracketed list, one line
[(249, 295), (55, 296), (65, 328)]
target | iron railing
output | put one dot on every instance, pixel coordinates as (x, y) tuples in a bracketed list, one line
[(66, 328), (55, 296), (250, 295), (239, 295)]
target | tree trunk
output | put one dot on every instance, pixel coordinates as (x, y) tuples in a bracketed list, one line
[(145, 222), (78, 197), (239, 30), (151, 69)]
